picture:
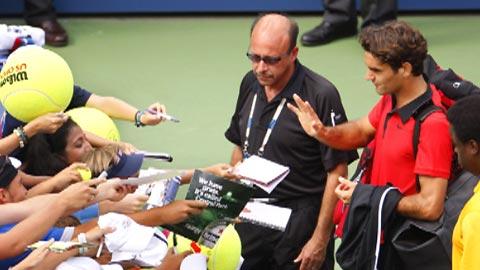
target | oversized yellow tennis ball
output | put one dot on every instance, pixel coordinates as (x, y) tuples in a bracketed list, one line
[(96, 122), (35, 81), (86, 174), (225, 255)]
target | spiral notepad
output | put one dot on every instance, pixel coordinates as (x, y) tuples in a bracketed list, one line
[(266, 215)]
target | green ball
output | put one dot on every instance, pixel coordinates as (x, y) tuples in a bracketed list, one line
[(96, 122), (35, 81)]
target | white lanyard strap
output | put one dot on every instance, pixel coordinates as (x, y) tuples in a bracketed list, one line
[(271, 125), (249, 125)]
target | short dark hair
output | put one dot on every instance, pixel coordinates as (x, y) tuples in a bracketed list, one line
[(7, 172), (395, 43), (292, 31), (464, 118)]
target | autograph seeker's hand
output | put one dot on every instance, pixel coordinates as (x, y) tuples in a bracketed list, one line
[(151, 116), (173, 261), (47, 123), (32, 260)]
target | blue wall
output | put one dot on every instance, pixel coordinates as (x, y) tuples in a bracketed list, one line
[(154, 6)]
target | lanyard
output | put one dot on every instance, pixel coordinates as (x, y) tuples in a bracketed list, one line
[(271, 125)]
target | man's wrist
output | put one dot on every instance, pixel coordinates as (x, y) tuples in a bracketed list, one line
[(30, 129)]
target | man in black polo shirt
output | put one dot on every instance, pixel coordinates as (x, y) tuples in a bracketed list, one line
[(276, 75)]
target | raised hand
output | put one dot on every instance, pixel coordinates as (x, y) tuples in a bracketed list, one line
[(131, 203), (68, 176), (47, 123), (112, 190), (151, 118), (78, 196), (307, 116)]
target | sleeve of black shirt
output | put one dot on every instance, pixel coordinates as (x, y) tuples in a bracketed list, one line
[(327, 103), (79, 98)]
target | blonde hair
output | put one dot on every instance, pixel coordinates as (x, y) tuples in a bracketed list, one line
[(102, 158)]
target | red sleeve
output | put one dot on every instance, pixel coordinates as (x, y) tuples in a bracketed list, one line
[(375, 114), (435, 150)]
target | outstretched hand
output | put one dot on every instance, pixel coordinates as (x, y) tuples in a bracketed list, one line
[(47, 123), (173, 261), (178, 211), (68, 176), (307, 116), (37, 256), (223, 170), (78, 195), (151, 116)]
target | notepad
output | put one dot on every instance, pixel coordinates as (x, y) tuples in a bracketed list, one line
[(266, 215), (261, 171)]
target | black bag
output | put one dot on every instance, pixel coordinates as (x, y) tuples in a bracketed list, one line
[(425, 244), (417, 242)]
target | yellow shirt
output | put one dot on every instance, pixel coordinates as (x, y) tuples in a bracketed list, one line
[(466, 235)]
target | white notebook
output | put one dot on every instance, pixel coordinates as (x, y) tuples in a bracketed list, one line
[(267, 215), (261, 170)]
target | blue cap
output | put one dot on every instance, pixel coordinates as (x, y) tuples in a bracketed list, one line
[(128, 165)]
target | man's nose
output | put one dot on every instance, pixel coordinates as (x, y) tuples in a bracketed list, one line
[(261, 66)]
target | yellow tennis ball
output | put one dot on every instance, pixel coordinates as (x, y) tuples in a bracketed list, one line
[(225, 255), (35, 81), (96, 122), (86, 174)]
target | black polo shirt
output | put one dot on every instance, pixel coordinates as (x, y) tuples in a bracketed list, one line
[(308, 159)]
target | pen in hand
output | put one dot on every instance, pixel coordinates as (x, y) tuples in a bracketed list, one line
[(100, 247), (164, 116)]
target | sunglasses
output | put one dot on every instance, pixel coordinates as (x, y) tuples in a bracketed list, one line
[(267, 59)]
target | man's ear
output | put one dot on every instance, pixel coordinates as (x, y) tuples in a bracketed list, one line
[(294, 53), (473, 147), (405, 69), (3, 196)]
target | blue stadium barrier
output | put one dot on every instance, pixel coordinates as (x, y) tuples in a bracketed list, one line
[(14, 7)]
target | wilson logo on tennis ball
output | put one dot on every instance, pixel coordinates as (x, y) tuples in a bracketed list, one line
[(13, 74)]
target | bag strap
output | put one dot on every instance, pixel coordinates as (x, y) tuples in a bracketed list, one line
[(419, 116)]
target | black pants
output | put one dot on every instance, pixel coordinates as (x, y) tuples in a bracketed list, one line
[(38, 10), (269, 249), (372, 11)]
